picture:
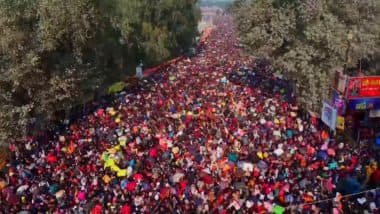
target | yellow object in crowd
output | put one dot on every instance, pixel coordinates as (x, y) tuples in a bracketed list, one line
[(122, 141), (122, 173), (262, 155), (112, 111), (114, 149), (106, 179)]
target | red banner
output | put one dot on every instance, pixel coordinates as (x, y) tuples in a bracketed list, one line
[(363, 87)]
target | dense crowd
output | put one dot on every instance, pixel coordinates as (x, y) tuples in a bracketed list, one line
[(215, 133)]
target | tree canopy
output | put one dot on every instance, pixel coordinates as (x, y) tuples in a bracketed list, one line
[(55, 54), (307, 39)]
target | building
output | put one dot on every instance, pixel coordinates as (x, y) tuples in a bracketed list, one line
[(357, 104)]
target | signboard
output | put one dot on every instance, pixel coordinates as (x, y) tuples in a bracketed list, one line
[(363, 87), (340, 81), (339, 102), (329, 115), (364, 104), (340, 123), (374, 113)]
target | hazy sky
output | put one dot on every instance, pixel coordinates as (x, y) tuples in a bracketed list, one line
[(216, 0)]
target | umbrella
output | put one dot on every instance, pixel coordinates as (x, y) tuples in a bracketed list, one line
[(62, 139), (106, 179), (131, 186), (331, 152), (177, 177), (22, 189), (60, 194), (175, 150), (232, 157), (97, 209), (333, 165), (122, 141), (81, 196), (278, 152), (100, 112), (207, 179), (138, 177), (51, 158), (53, 188), (278, 209), (122, 173), (322, 155), (198, 157), (124, 183), (126, 209), (239, 185), (111, 111), (262, 164), (165, 192)]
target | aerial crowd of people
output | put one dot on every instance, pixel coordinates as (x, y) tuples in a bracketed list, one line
[(214, 133)]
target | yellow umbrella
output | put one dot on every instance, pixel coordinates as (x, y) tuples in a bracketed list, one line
[(109, 162), (114, 149), (115, 168), (112, 111), (265, 155), (260, 155), (175, 150), (122, 173), (122, 140)]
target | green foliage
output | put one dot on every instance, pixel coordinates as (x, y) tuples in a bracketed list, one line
[(55, 54), (117, 87), (307, 40), (157, 30)]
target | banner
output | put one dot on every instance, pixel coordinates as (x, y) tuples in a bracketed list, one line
[(340, 81), (374, 113), (364, 104), (339, 102), (329, 115), (340, 123), (363, 87)]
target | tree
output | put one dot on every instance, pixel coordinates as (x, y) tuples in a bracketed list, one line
[(308, 39), (157, 30), (52, 54), (55, 54)]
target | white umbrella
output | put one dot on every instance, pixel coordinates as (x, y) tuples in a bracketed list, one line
[(177, 177), (22, 189)]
